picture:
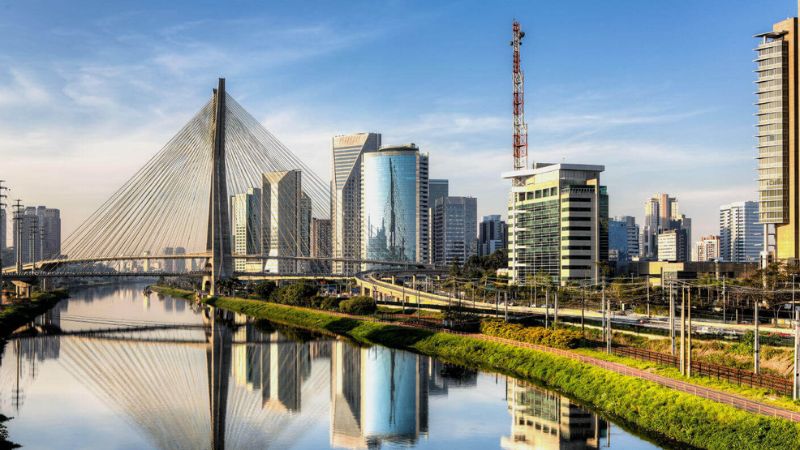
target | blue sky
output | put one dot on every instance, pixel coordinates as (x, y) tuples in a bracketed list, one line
[(661, 93)]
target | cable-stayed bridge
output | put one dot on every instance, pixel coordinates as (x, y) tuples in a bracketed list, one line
[(222, 198)]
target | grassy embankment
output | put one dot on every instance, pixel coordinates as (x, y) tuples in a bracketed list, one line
[(674, 415), (17, 314)]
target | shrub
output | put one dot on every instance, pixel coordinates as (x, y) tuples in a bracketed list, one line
[(358, 305), (558, 338), (295, 294)]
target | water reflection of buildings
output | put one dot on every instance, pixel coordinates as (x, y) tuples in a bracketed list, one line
[(543, 419), (26, 354), (275, 365), (381, 395)]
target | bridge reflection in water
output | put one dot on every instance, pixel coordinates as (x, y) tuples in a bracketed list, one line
[(222, 381)]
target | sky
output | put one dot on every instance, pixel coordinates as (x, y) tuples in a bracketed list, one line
[(660, 93)]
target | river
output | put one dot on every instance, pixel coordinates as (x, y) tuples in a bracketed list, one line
[(112, 368)]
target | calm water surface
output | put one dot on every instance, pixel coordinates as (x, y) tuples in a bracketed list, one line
[(111, 368)]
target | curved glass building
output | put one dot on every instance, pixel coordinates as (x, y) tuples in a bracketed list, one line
[(394, 204)]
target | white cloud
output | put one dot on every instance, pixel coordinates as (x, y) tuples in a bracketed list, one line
[(22, 89)]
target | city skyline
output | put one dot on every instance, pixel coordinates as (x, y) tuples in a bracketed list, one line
[(654, 132)]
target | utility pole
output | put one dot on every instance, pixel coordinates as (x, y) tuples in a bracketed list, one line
[(609, 333), (603, 306), (2, 208), (505, 301), (796, 384), (547, 308), (647, 283), (672, 317), (756, 340), (725, 299), (18, 244), (555, 311), (583, 308), (683, 331), (689, 333)]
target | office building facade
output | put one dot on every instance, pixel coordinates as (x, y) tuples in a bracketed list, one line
[(741, 237), (492, 235), (623, 239), (672, 246), (707, 249), (37, 234), (454, 230), (285, 220), (394, 194), (777, 140), (321, 245), (662, 213), (557, 222), (347, 151), (246, 228), (437, 188)]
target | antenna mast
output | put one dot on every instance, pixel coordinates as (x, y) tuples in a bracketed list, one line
[(520, 144)]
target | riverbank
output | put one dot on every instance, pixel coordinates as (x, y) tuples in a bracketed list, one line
[(15, 315), (675, 415)]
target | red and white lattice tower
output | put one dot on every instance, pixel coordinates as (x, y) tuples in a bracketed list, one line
[(520, 127)]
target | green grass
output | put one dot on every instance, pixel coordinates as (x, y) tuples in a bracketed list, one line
[(753, 393), (172, 292), (674, 415), (17, 314)]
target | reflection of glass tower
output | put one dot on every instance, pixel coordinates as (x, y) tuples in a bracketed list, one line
[(545, 419), (394, 213), (377, 394)]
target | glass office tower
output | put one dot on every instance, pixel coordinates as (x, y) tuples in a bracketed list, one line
[(395, 204)]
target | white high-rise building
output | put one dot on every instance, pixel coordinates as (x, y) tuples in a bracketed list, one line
[(285, 220), (346, 205), (741, 236), (246, 227), (706, 249)]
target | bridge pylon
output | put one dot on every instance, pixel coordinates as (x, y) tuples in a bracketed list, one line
[(219, 223)]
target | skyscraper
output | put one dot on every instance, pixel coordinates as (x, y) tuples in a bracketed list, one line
[(320, 244), (247, 229), (741, 236), (437, 188), (777, 113), (492, 235), (346, 208), (454, 230), (38, 234), (557, 222), (623, 239), (285, 213), (707, 249), (672, 245), (394, 204), (661, 213)]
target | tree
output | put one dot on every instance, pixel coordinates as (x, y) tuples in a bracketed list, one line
[(264, 289)]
